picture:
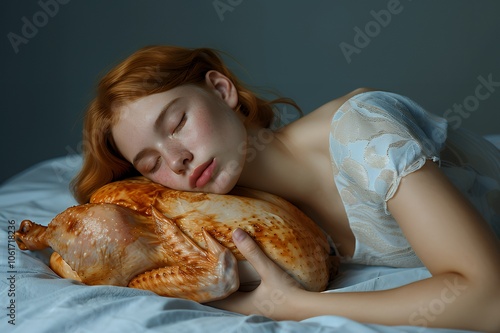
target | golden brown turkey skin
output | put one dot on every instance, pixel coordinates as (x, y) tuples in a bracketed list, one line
[(140, 234)]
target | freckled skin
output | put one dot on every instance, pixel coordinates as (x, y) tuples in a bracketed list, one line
[(140, 234)]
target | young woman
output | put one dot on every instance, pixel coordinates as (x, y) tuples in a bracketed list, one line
[(385, 179)]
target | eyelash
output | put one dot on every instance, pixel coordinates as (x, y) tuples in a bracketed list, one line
[(156, 166), (181, 123)]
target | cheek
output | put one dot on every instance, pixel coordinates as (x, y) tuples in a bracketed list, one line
[(201, 131), (215, 130), (238, 138), (230, 130), (164, 178), (206, 135)]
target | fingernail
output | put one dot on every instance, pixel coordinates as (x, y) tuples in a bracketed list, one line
[(239, 234)]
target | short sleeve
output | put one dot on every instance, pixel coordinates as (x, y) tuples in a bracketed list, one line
[(377, 138)]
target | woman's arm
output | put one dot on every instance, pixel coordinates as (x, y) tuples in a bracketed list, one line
[(448, 235)]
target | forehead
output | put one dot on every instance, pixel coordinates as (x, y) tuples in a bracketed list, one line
[(151, 105), (145, 106)]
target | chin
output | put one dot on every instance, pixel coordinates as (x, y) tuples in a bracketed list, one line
[(219, 189), (222, 184)]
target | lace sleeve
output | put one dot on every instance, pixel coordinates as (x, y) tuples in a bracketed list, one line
[(376, 139)]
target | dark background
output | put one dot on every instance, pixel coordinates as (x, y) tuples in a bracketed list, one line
[(432, 51)]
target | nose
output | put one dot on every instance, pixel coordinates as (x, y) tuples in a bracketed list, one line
[(178, 161)]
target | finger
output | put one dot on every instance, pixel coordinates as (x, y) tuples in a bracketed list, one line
[(254, 254)]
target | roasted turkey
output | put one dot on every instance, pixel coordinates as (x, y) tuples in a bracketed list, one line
[(139, 234)]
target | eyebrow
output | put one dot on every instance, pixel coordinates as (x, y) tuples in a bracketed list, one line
[(157, 125)]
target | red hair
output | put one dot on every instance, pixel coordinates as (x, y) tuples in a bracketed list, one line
[(148, 71)]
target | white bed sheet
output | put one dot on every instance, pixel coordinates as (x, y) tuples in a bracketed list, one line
[(35, 299)]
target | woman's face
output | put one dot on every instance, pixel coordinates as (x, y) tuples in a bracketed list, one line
[(188, 138)]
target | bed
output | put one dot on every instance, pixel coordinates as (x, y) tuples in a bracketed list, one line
[(35, 299)]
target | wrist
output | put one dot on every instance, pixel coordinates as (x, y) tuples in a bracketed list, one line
[(290, 306)]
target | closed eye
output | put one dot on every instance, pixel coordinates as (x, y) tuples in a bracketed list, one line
[(156, 166), (181, 123)]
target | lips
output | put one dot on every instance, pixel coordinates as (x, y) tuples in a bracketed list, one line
[(202, 174)]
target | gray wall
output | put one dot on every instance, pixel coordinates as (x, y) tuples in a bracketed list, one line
[(438, 52)]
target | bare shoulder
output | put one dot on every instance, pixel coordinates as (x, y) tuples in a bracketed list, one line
[(327, 110), (337, 103), (312, 130), (322, 116), (359, 91)]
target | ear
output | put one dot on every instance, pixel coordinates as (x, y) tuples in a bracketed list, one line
[(223, 87)]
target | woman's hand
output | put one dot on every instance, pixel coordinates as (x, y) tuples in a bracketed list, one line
[(273, 297)]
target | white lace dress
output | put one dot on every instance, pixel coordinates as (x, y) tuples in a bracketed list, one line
[(376, 138)]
